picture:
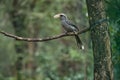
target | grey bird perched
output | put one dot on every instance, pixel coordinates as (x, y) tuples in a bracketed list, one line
[(69, 27)]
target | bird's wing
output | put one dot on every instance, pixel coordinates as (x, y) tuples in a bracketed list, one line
[(68, 22)]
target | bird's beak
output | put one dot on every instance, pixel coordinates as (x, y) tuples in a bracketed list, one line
[(57, 16)]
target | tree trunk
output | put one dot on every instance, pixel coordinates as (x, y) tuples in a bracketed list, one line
[(33, 30), (100, 40), (20, 29)]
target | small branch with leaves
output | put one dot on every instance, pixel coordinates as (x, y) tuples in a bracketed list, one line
[(42, 39)]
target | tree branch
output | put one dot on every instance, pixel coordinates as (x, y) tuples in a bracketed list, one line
[(42, 39)]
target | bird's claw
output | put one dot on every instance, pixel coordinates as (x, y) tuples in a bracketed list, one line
[(76, 33)]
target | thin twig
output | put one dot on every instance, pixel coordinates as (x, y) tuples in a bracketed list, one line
[(42, 39)]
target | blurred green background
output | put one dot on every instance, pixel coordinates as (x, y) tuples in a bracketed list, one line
[(56, 59)]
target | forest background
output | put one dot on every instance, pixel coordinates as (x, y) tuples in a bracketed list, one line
[(56, 59)]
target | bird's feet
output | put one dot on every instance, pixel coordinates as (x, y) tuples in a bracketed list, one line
[(76, 33)]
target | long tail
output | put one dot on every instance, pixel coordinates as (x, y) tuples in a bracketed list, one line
[(79, 42)]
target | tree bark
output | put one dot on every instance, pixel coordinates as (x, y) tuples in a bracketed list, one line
[(100, 40)]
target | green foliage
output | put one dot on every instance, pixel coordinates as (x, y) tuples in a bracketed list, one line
[(113, 13), (59, 59)]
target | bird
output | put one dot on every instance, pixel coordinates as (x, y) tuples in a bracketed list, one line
[(69, 27)]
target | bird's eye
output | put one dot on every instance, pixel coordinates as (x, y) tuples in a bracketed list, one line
[(62, 16)]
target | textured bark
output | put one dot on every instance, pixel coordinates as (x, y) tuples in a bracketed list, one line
[(100, 40)]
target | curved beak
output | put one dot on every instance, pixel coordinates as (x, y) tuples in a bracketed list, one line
[(57, 16)]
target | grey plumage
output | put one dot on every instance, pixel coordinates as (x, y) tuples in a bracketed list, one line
[(69, 27)]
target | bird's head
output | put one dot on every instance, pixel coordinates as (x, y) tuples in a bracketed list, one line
[(60, 15)]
